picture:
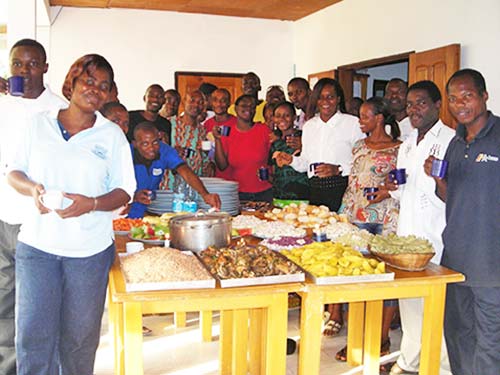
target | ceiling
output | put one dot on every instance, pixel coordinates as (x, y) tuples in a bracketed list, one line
[(289, 10)]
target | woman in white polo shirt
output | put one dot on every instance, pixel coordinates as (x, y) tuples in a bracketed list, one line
[(64, 255)]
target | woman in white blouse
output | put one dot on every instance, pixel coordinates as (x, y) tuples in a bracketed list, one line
[(327, 142)]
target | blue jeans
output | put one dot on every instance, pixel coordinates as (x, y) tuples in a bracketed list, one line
[(59, 307)]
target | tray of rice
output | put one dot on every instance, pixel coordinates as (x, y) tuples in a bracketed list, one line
[(407, 253), (162, 268)]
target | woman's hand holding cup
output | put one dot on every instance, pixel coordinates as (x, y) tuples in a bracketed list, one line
[(282, 158), (81, 205), (37, 192)]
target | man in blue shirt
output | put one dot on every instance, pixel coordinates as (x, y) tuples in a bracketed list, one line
[(151, 159), (471, 190)]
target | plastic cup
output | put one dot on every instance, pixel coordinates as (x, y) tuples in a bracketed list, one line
[(263, 173), (52, 199), (439, 168), (398, 175), (134, 247), (225, 130), (188, 152), (16, 86), (152, 195), (313, 166), (369, 190), (206, 145)]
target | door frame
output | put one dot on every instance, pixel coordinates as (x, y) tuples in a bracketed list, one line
[(345, 73)]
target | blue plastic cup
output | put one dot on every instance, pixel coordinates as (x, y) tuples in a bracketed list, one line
[(16, 86), (369, 190), (263, 173), (152, 195), (188, 152), (225, 130), (398, 175), (439, 168), (312, 167)]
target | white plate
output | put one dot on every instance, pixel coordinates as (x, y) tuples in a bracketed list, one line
[(121, 232)]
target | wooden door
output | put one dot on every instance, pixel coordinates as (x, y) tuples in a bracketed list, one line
[(436, 65), (315, 77), (186, 82)]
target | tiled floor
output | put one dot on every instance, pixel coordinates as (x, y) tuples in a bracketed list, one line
[(171, 351)]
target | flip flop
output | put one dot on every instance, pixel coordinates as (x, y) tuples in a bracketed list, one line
[(146, 331), (332, 326)]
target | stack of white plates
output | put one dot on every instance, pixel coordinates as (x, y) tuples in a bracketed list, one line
[(162, 203), (228, 193)]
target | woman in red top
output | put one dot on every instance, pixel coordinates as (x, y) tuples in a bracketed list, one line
[(245, 150)]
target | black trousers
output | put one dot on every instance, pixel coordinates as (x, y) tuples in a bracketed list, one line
[(328, 191), (472, 329)]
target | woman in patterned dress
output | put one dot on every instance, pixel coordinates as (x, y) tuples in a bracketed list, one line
[(373, 158)]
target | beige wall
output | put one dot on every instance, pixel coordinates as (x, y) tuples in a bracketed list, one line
[(358, 30), (149, 46)]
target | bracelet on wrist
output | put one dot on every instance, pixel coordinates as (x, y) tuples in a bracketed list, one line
[(95, 205)]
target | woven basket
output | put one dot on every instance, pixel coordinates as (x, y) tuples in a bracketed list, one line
[(405, 261)]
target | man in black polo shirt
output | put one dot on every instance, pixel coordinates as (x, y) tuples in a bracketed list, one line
[(471, 190), (154, 99)]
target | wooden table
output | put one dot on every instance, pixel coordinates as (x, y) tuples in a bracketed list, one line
[(366, 300), (253, 323)]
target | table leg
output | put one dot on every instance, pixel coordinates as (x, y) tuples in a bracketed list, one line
[(275, 336), (240, 342), (256, 335), (132, 316), (226, 342), (432, 330), (115, 314), (373, 330), (310, 333), (180, 319), (206, 325), (355, 328)]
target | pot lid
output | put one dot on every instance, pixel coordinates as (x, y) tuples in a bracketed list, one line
[(201, 218)]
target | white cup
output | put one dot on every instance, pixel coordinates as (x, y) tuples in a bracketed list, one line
[(134, 247), (52, 199), (206, 145)]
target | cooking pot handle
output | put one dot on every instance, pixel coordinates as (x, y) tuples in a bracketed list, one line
[(200, 212)]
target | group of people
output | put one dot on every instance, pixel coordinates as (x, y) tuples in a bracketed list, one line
[(105, 159)]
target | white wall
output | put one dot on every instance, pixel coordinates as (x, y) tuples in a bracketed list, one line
[(145, 47), (356, 30)]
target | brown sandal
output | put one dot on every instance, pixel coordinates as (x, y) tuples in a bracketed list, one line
[(385, 347), (341, 355)]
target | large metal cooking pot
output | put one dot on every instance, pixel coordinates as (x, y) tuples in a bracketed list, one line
[(195, 232)]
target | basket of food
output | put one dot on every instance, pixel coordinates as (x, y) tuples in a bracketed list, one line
[(408, 253)]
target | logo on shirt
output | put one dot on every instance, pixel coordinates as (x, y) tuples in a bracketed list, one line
[(100, 151), (486, 158), (157, 171)]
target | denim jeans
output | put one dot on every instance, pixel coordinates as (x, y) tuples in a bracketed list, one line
[(59, 307)]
